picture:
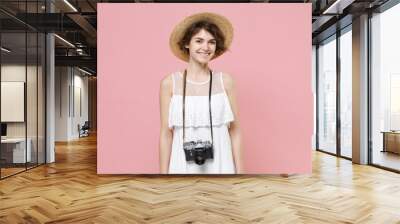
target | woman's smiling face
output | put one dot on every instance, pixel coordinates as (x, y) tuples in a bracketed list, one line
[(202, 47)]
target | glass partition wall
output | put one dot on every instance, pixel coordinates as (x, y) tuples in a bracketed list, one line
[(22, 88), (334, 93), (13, 89)]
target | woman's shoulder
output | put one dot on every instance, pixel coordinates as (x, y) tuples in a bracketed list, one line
[(166, 83), (166, 80), (228, 80), (169, 78)]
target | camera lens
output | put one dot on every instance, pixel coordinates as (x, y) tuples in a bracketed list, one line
[(199, 160)]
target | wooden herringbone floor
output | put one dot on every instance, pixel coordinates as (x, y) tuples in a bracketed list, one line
[(69, 191)]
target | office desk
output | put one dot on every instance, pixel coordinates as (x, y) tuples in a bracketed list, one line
[(13, 150), (391, 141)]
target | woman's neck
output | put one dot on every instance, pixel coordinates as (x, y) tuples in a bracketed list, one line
[(197, 71)]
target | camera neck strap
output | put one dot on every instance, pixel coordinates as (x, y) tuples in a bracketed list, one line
[(209, 105)]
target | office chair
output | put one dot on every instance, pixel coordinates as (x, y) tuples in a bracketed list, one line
[(84, 130)]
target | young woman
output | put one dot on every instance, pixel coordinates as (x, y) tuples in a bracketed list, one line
[(200, 132)]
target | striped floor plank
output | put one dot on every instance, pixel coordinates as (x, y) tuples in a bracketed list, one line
[(70, 191)]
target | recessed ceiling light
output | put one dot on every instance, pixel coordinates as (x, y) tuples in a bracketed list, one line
[(64, 40), (338, 6), (84, 71), (70, 5), (5, 50)]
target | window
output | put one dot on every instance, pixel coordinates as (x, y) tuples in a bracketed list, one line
[(385, 88), (346, 92), (327, 95)]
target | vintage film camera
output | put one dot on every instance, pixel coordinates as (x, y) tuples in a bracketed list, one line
[(198, 151)]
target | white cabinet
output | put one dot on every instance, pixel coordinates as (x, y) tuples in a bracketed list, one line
[(18, 149)]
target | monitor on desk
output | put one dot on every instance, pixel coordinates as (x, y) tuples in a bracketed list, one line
[(3, 130)]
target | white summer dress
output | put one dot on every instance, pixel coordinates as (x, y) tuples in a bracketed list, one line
[(197, 125)]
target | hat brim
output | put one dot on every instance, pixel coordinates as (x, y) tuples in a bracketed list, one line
[(220, 21)]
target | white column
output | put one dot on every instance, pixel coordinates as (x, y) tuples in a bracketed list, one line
[(50, 110), (50, 92), (360, 90)]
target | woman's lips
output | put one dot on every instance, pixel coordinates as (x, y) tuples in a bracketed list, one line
[(204, 54)]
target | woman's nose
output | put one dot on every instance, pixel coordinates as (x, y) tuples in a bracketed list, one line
[(206, 47)]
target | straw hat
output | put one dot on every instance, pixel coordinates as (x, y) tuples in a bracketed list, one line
[(177, 34)]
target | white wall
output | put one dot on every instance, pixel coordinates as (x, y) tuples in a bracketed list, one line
[(62, 80), (71, 93), (81, 100)]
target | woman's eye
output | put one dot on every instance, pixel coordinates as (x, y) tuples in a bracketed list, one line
[(198, 41)]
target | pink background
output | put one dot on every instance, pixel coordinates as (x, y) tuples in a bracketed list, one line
[(270, 59)]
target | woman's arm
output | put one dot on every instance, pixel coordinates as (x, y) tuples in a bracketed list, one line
[(166, 134), (234, 130)]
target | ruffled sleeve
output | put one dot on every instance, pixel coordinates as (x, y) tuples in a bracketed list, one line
[(197, 113)]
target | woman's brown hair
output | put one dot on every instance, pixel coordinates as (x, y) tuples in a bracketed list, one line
[(209, 27)]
